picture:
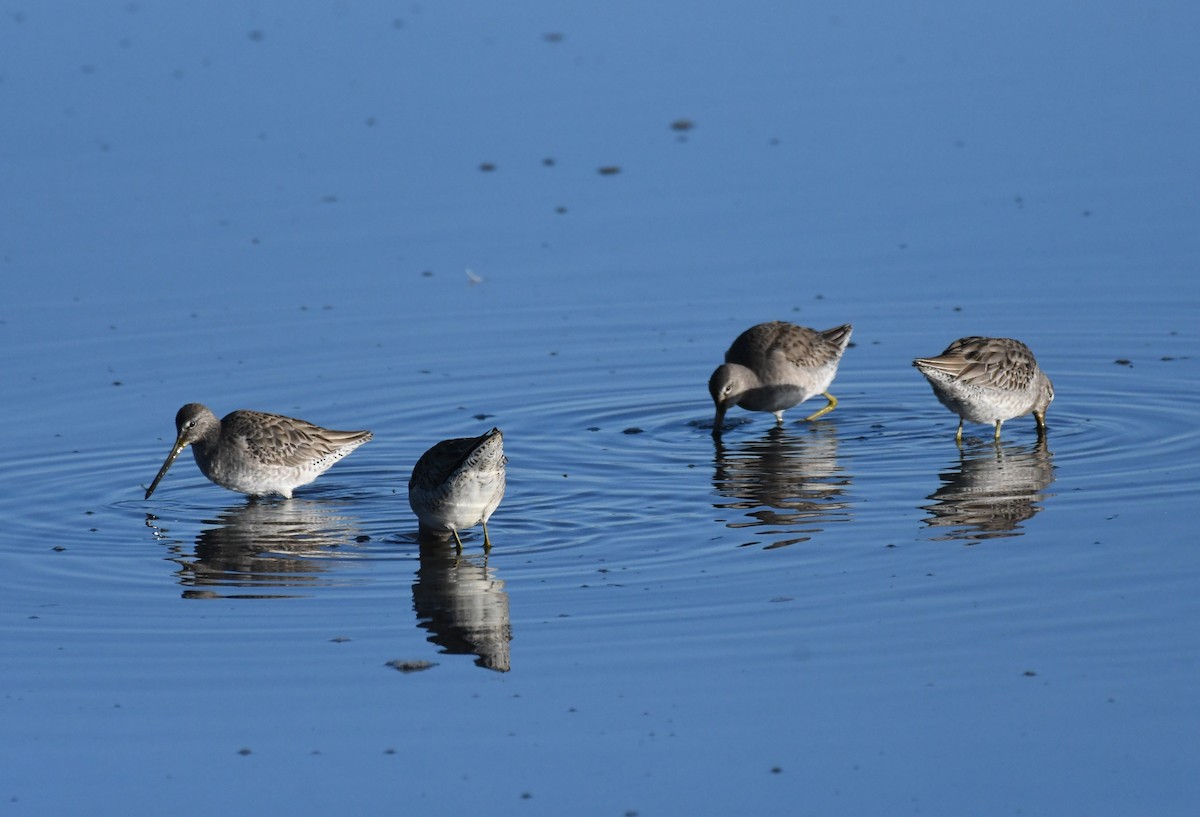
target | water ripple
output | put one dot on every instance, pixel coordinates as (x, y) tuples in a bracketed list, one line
[(615, 483)]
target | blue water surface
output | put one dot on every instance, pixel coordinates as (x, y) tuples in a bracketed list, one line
[(429, 219)]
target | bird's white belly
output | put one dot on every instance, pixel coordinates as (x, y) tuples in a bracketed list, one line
[(978, 404), (470, 500), (260, 480)]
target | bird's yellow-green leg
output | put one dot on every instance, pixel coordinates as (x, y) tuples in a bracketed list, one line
[(828, 408), (487, 542), (1040, 416), (998, 424), (958, 436), (457, 541)]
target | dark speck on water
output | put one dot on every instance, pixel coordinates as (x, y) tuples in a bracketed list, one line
[(410, 666), (609, 170)]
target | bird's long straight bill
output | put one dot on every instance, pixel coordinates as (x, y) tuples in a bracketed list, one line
[(718, 421), (178, 447)]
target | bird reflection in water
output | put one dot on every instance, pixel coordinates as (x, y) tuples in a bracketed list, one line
[(463, 605), (262, 544), (991, 492), (787, 483)]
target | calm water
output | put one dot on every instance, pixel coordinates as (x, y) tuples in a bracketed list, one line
[(265, 207)]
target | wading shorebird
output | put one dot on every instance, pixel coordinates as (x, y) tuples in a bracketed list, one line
[(256, 453), (774, 366), (988, 381), (458, 484)]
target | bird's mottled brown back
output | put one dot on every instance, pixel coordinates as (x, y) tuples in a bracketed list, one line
[(798, 344), (437, 464), (288, 442), (1000, 363)]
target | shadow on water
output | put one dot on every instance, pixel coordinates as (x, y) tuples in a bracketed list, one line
[(259, 545), (462, 605), (788, 483), (991, 492)]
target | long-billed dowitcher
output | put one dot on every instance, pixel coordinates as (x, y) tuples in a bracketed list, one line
[(988, 381), (256, 453), (774, 366), (457, 484)]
